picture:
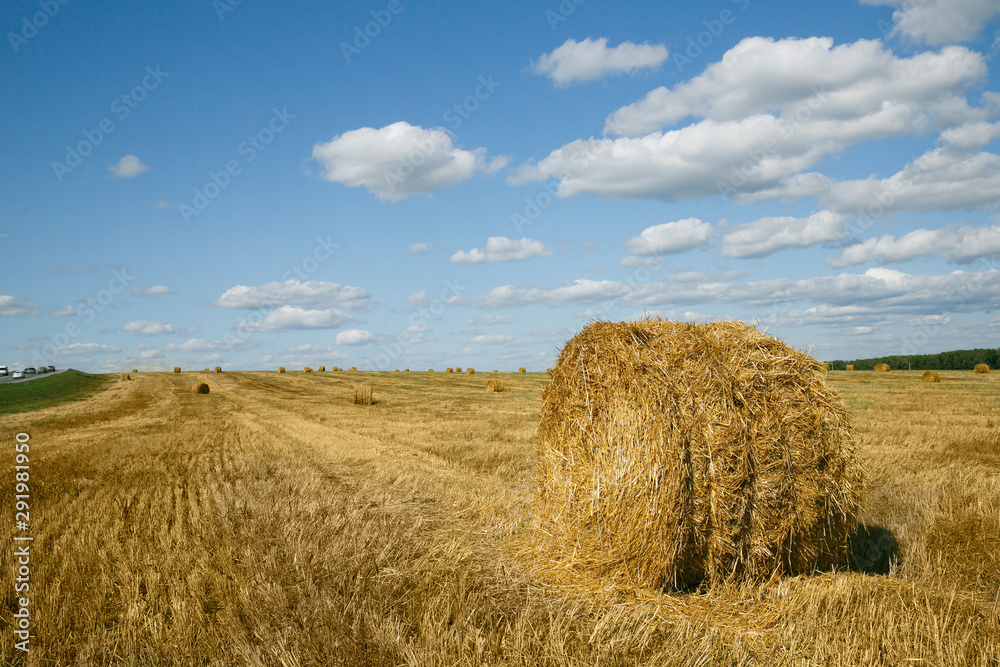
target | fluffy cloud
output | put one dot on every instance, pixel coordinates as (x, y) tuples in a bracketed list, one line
[(313, 293), (85, 349), (940, 21), (287, 318), (767, 235), (958, 244), (575, 62), (577, 292), (155, 290), (417, 248), (354, 337), (201, 345), (490, 339), (671, 237), (128, 167), (492, 319), (147, 328), (846, 82), (419, 299), (66, 311), (502, 249), (11, 307), (399, 160)]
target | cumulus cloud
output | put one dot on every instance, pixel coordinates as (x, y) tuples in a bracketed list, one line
[(576, 292), (768, 235), (419, 299), (972, 135), (354, 337), (492, 319), (155, 290), (201, 345), (317, 294), (417, 248), (287, 318), (491, 339), (940, 21), (576, 62), (85, 349), (671, 237), (66, 311), (128, 167), (957, 244), (12, 307), (502, 249), (845, 82), (147, 328), (399, 160)]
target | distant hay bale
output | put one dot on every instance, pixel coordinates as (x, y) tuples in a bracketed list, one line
[(930, 376), (882, 367), (522, 369), (307, 369), (458, 369), (495, 371), (353, 368), (218, 369), (494, 385), (321, 369), (281, 369), (470, 371), (124, 376), (135, 370), (670, 454), (430, 370), (449, 370), (824, 367), (363, 395), (981, 368), (177, 369), (206, 370), (200, 388), (849, 367), (406, 370)]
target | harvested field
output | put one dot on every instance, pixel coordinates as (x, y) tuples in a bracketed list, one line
[(274, 522)]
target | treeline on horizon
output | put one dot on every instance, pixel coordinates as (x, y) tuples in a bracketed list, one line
[(956, 360)]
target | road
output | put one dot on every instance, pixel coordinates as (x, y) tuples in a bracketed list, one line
[(10, 378)]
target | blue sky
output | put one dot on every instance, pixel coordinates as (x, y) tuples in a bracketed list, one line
[(420, 185)]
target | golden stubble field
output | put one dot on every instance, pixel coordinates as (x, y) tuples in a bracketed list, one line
[(273, 522)]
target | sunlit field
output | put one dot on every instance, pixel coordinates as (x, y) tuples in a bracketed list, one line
[(274, 522)]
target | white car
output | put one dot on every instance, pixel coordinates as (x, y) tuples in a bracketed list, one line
[(18, 375)]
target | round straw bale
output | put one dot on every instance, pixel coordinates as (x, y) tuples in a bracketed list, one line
[(200, 388), (449, 370), (981, 368), (353, 368), (177, 369), (430, 370), (930, 376), (281, 369), (307, 369), (206, 370), (671, 454), (135, 370), (494, 385), (849, 367), (321, 369), (363, 395), (124, 376), (406, 370), (882, 367), (522, 369), (218, 369), (458, 369), (470, 371)]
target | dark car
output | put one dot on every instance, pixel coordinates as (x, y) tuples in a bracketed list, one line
[(51, 369), (30, 370)]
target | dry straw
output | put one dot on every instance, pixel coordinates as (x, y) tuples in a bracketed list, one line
[(671, 454), (522, 369), (470, 371), (458, 369), (824, 367), (406, 370), (135, 370), (218, 369), (281, 369), (206, 370), (449, 370), (200, 388), (321, 369), (881, 367), (981, 368), (930, 376), (124, 376), (363, 395), (494, 385), (307, 370), (177, 369), (848, 367), (353, 368)]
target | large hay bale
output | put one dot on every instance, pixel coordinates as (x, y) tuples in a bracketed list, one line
[(321, 369), (671, 454), (449, 370), (177, 369), (494, 385), (200, 388), (930, 376), (458, 369), (981, 368), (307, 369), (470, 371), (281, 369), (882, 367), (849, 367), (363, 395), (522, 369), (218, 369)]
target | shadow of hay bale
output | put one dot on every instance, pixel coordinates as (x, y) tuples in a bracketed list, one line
[(872, 549)]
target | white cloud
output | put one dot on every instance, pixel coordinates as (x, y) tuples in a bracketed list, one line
[(502, 249), (354, 337), (490, 339), (576, 292), (147, 328), (972, 135), (419, 299), (957, 244), (11, 307), (399, 160), (417, 248), (84, 349), (66, 311), (575, 62), (128, 167), (768, 235), (201, 345), (671, 237), (76, 268), (155, 290), (492, 319), (313, 293), (288, 318), (165, 206), (940, 21), (846, 82)]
